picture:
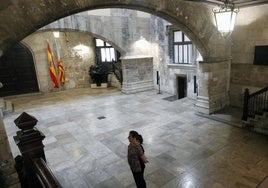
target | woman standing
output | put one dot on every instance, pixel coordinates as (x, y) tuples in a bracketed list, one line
[(136, 158)]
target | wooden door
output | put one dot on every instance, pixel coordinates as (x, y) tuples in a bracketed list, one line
[(17, 72)]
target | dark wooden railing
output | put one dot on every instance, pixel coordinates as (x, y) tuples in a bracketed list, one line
[(255, 103), (44, 174), (31, 166), (117, 70)]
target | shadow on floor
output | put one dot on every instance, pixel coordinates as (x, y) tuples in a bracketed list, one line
[(229, 115), (171, 98)]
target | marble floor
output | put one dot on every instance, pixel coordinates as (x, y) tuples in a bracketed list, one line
[(86, 141)]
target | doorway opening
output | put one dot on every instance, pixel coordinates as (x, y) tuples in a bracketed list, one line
[(17, 72), (181, 86)]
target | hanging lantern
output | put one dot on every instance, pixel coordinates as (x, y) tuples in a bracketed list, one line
[(225, 19)]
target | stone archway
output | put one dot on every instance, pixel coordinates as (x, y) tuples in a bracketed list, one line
[(17, 72), (194, 19)]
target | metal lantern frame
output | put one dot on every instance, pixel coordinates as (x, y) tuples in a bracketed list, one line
[(225, 18)]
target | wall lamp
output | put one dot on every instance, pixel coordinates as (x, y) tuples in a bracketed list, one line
[(56, 34), (225, 17)]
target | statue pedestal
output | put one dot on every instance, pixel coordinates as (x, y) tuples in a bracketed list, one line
[(137, 74), (103, 85)]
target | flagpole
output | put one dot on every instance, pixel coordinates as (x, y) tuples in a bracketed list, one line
[(52, 70), (57, 68), (61, 75)]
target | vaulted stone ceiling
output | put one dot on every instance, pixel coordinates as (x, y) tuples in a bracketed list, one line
[(20, 18)]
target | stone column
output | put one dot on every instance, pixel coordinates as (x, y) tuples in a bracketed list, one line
[(213, 86), (137, 74)]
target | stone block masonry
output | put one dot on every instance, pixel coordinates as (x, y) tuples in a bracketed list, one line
[(137, 74)]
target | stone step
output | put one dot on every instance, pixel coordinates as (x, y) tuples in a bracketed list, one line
[(258, 124), (231, 121), (103, 85)]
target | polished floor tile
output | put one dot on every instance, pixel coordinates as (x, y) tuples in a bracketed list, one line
[(86, 141)]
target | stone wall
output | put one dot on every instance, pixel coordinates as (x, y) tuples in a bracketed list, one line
[(120, 27), (219, 85), (246, 76), (182, 70), (77, 54), (213, 90), (160, 48), (251, 29), (7, 170)]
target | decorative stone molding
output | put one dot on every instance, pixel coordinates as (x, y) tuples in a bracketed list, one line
[(137, 74)]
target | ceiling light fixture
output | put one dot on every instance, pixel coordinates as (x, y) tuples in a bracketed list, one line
[(225, 16)]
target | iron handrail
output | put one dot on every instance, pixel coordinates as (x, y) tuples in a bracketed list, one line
[(255, 103), (258, 92), (117, 70)]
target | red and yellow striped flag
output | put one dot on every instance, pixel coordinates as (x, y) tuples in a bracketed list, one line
[(52, 70), (60, 67), (61, 72)]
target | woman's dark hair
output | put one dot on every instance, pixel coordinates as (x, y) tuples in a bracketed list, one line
[(136, 135)]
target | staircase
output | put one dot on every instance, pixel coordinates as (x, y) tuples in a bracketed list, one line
[(113, 81), (117, 76), (255, 110)]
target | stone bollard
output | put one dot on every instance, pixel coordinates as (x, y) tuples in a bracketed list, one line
[(29, 140)]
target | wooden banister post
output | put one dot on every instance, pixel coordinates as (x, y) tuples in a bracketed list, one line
[(245, 106), (29, 140)]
